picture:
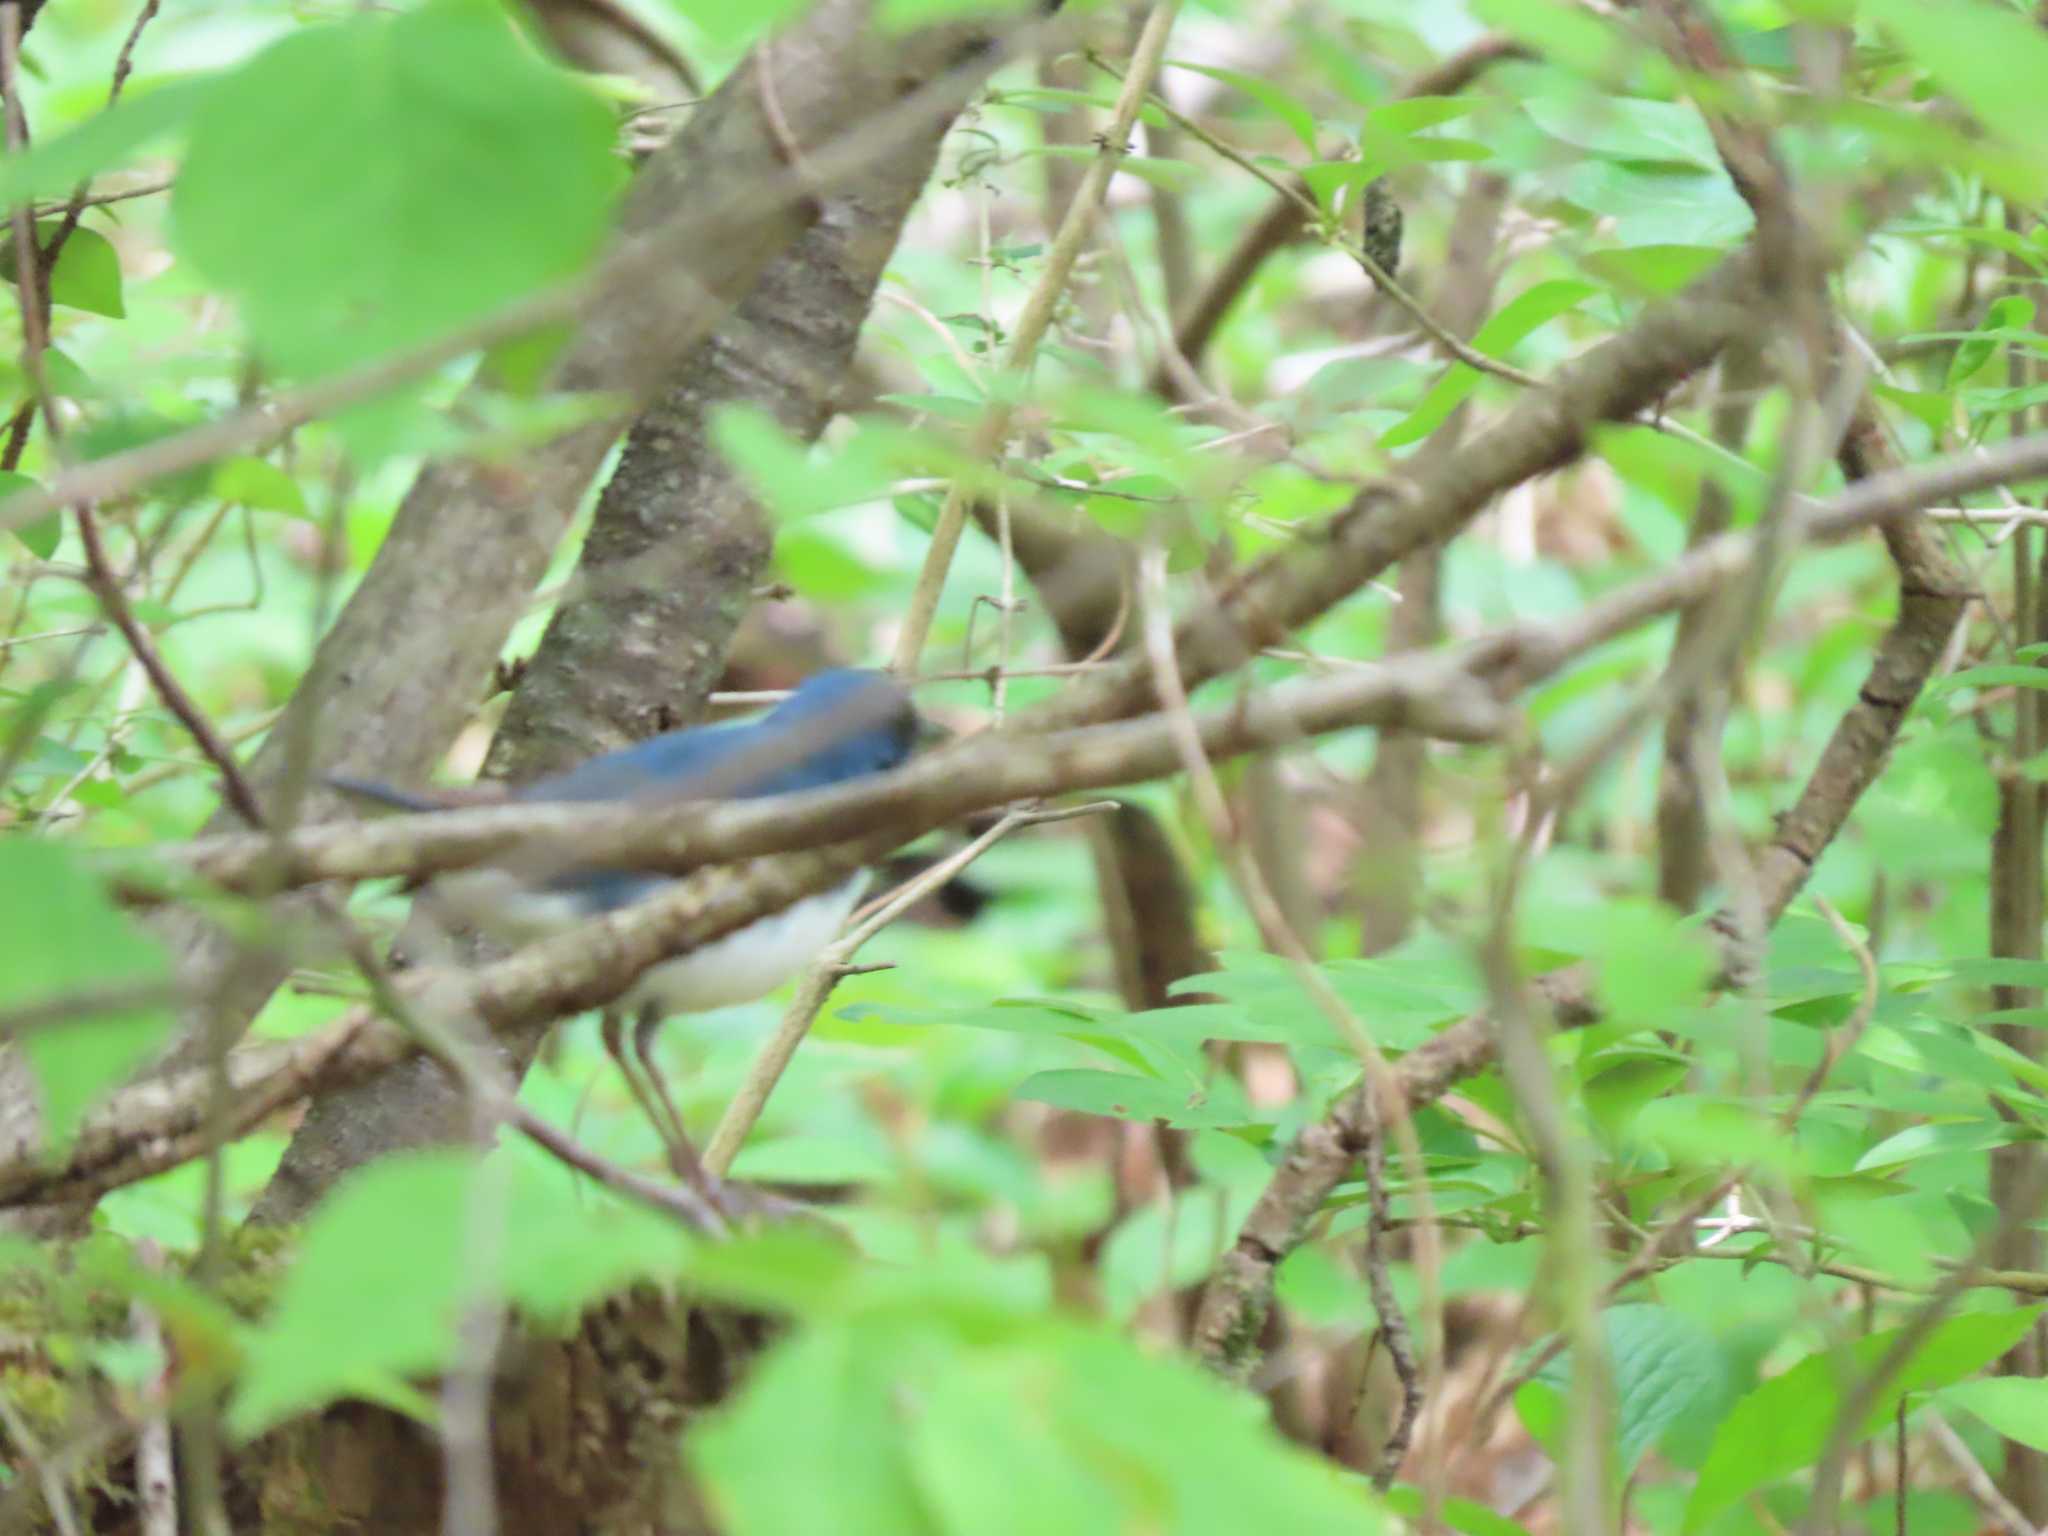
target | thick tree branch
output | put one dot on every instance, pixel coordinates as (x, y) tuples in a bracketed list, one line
[(153, 1125), (1410, 691), (1428, 693)]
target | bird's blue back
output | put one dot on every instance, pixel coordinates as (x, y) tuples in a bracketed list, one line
[(837, 725)]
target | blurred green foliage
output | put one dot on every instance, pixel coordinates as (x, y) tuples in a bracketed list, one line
[(930, 1373)]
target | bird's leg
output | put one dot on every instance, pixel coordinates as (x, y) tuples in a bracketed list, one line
[(612, 1030), (668, 1120)]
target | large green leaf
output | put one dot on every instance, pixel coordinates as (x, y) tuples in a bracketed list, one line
[(902, 1421), (60, 935), (391, 1259), (372, 182), (42, 535), (1627, 128), (1784, 1424), (51, 169)]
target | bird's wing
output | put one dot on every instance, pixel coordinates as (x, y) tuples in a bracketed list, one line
[(681, 764)]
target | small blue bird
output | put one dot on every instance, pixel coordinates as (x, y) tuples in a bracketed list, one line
[(838, 725)]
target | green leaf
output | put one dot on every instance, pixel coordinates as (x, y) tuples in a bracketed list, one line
[(1996, 675), (1660, 204), (124, 429), (1513, 321), (782, 1268), (2014, 1406), (258, 483), (455, 172), (1668, 468), (1414, 114), (815, 1442), (1936, 1138), (1665, 1368), (2008, 241), (1991, 58), (52, 168), (1931, 408), (796, 481), (88, 274), (1784, 1424), (901, 1421), (2011, 313), (60, 935), (1459, 1514), (41, 536), (391, 1258), (1266, 94), (64, 376), (1649, 960), (1996, 971), (1627, 128)]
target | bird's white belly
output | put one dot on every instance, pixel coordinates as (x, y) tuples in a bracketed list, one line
[(739, 967), (749, 962)]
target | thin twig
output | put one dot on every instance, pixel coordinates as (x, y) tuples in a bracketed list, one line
[(1326, 230), (81, 199), (156, 1482), (1378, 1099), (56, 1496), (742, 1114), (675, 1199), (1030, 328), (1983, 1490)]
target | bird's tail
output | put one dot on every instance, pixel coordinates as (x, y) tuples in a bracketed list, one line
[(370, 789)]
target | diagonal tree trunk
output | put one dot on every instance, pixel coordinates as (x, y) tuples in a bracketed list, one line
[(675, 549)]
